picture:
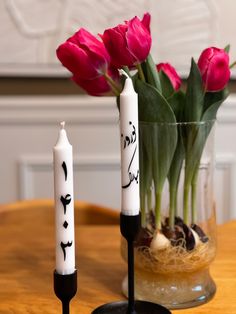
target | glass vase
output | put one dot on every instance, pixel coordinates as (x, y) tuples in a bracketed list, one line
[(177, 241)]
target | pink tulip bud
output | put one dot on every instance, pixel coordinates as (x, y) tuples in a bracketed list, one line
[(84, 55), (98, 86), (214, 67), (171, 73), (129, 43)]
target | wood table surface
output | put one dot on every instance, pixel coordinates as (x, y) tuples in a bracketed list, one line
[(27, 264)]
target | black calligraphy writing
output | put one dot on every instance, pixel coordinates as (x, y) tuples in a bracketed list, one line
[(132, 176), (64, 246), (65, 201), (131, 138), (64, 167)]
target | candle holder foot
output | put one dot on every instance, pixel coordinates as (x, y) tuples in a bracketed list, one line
[(121, 307), (65, 288)]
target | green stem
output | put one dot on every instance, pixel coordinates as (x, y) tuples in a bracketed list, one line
[(176, 203), (149, 199), (158, 210), (172, 207), (113, 84), (140, 72), (152, 74), (126, 69), (186, 203), (194, 196), (232, 65), (143, 212)]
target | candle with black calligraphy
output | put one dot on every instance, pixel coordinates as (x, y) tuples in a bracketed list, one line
[(130, 203), (64, 204)]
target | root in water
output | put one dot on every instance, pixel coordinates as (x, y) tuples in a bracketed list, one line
[(175, 258)]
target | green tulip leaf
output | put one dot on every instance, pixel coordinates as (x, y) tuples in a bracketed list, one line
[(198, 135), (227, 48), (166, 85), (194, 136), (152, 73), (194, 95), (159, 143), (145, 165), (176, 164), (177, 103), (174, 176), (212, 103), (164, 142), (196, 139), (153, 107)]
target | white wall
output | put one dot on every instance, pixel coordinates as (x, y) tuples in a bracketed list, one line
[(180, 29)]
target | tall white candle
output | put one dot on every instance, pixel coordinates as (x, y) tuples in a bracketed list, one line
[(130, 203), (64, 204)]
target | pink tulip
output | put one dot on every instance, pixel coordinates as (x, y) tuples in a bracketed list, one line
[(84, 55), (98, 86), (171, 74), (213, 64), (129, 44)]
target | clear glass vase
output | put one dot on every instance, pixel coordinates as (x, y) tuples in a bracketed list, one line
[(177, 241)]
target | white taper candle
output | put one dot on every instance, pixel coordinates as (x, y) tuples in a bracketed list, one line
[(130, 202), (64, 204)]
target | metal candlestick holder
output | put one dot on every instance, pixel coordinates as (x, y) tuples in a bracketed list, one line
[(65, 288), (129, 227)]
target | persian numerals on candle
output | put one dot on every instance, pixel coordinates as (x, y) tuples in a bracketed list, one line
[(65, 200), (128, 140), (64, 167)]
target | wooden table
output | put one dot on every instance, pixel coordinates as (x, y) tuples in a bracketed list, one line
[(27, 264)]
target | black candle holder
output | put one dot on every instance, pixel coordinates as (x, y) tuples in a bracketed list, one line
[(65, 288), (129, 227)]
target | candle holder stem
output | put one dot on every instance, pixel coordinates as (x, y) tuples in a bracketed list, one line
[(65, 288), (65, 307), (129, 227), (131, 309)]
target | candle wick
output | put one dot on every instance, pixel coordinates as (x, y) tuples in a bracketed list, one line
[(122, 72), (62, 124)]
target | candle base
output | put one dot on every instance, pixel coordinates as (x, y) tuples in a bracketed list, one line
[(65, 288), (140, 307)]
